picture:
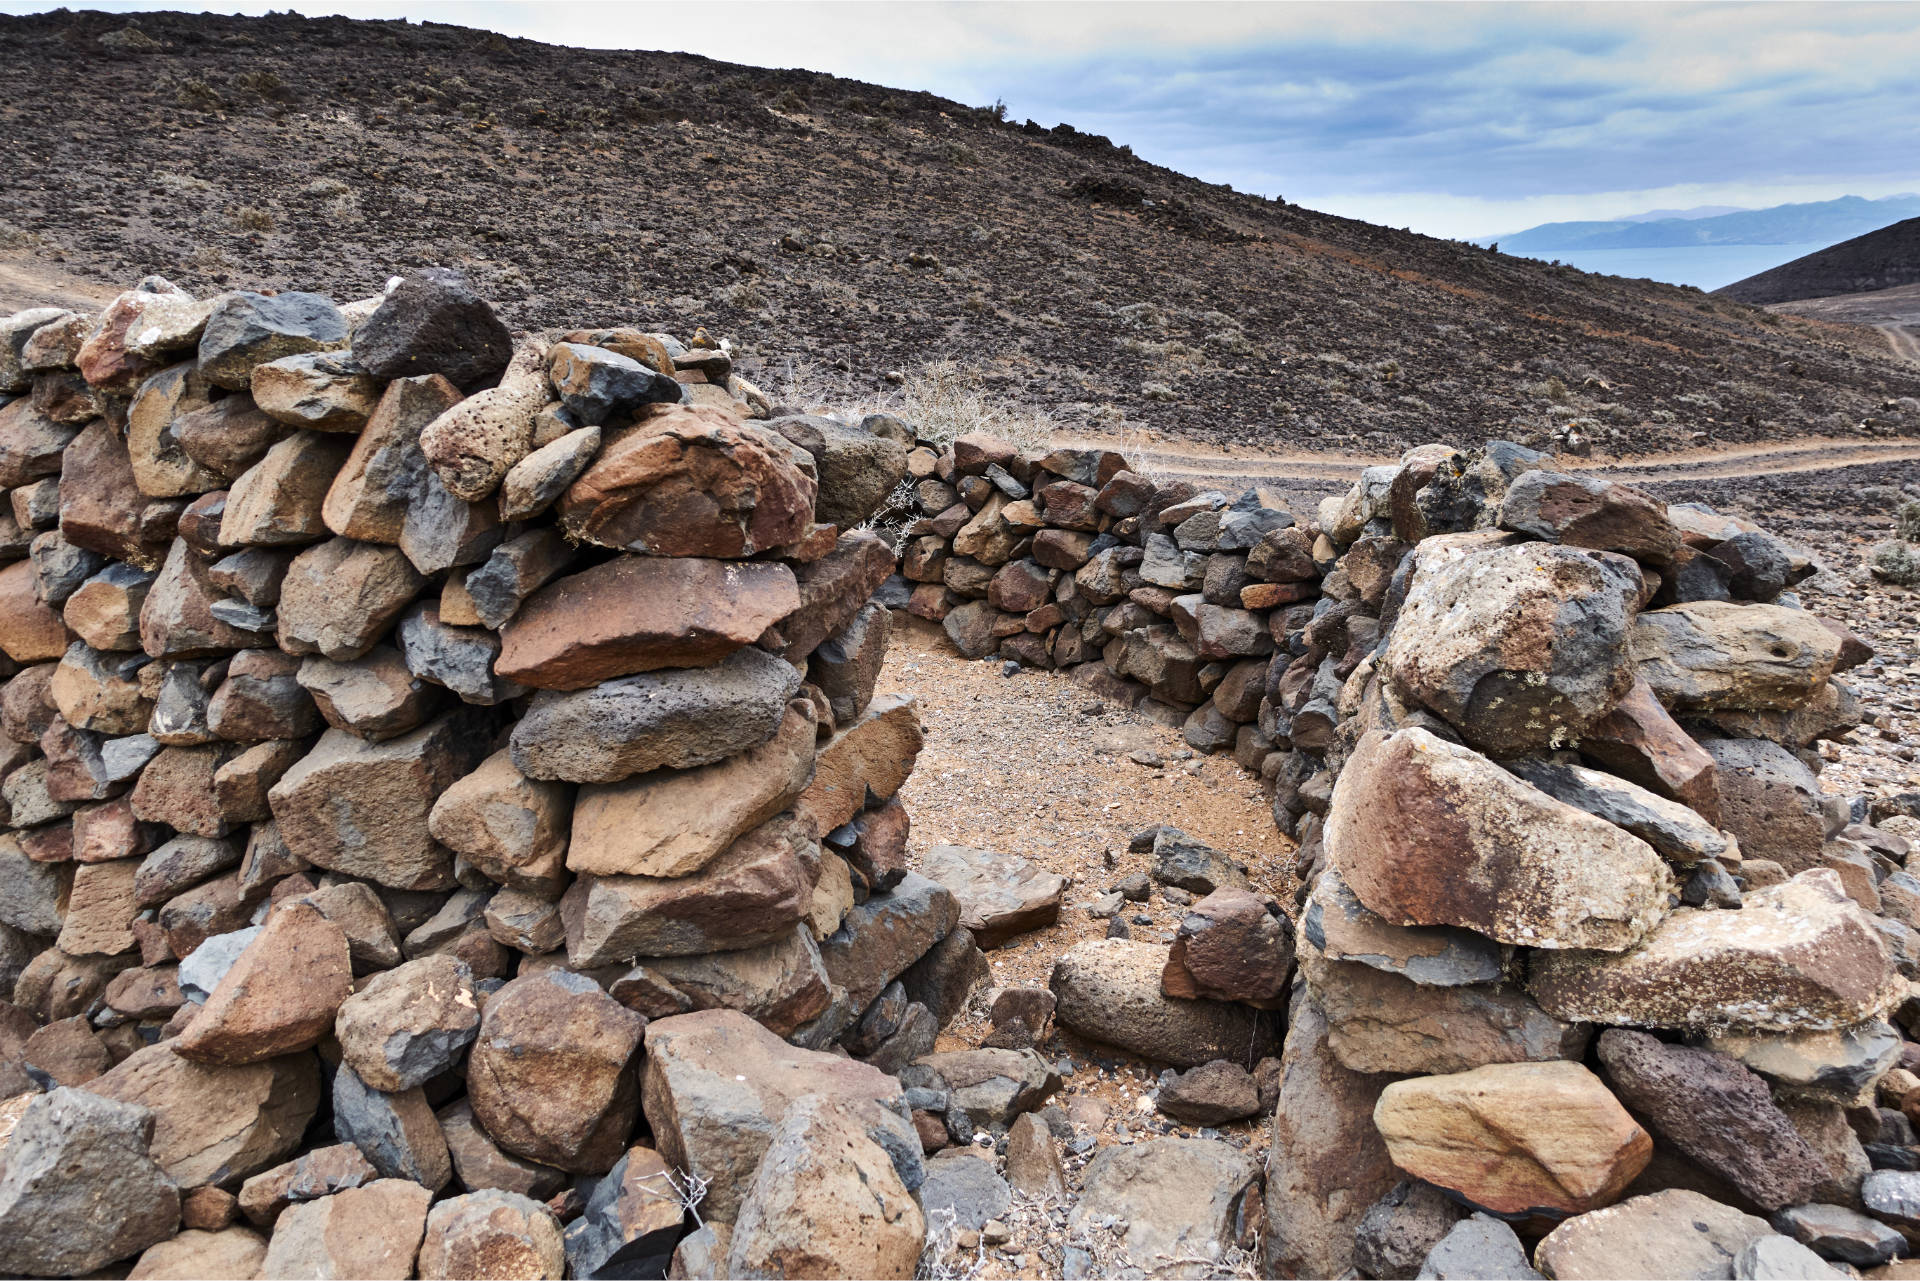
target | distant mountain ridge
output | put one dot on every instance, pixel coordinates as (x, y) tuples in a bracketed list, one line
[(1883, 259), (1820, 222)]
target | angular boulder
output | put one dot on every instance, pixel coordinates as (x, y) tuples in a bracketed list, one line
[(1517, 647), (672, 719), (1428, 832), (692, 482), (637, 613), (79, 1190), (362, 808), (716, 1085), (1515, 1137), (550, 1074), (1798, 956)]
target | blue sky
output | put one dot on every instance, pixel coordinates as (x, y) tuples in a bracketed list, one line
[(1455, 119)]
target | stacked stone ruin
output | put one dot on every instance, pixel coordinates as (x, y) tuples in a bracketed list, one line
[(438, 765), (1579, 946), (453, 829)]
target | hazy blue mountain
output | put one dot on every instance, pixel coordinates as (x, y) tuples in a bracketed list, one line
[(1698, 211), (1821, 222)]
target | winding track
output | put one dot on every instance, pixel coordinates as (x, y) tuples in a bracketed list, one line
[(1901, 338), (1682, 466)]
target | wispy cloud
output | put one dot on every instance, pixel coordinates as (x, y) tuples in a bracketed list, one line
[(1457, 119)]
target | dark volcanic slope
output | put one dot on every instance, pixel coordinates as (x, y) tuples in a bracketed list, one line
[(1883, 259), (866, 229)]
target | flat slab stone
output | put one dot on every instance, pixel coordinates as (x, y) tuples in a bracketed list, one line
[(1675, 1233), (1001, 896), (1798, 956)]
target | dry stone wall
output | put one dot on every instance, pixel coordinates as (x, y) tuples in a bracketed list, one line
[(451, 827), (1583, 962), (443, 768)]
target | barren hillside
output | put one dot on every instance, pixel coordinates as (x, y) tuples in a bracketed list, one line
[(870, 228), (1880, 260)]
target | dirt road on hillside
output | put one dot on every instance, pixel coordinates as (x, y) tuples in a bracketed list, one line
[(1681, 466)]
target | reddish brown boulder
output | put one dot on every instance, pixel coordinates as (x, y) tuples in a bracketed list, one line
[(108, 513), (31, 444), (875, 753), (176, 788), (1639, 741), (373, 696), (227, 436), (1232, 945), (177, 619), (217, 1124), (671, 823), (100, 909), (511, 827), (371, 1232), (1582, 511), (1428, 832), (692, 482), (135, 333), (280, 996), (717, 1084), (636, 614), (105, 610), (550, 1075), (277, 501), (834, 589), (751, 894), (30, 632), (308, 1177), (342, 596)]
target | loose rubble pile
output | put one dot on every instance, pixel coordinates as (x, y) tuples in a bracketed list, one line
[(450, 826), (1584, 972)]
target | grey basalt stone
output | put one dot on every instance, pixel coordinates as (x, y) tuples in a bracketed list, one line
[(397, 1133), (247, 329), (79, 1190), (1779, 1258), (670, 719), (1339, 924), (432, 322), (1677, 832), (204, 967), (1481, 1246), (459, 659), (970, 1188)]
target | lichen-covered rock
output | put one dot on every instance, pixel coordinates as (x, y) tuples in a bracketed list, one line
[(1716, 655), (1517, 647), (1797, 956)]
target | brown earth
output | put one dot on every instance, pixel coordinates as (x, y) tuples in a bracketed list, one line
[(858, 230)]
